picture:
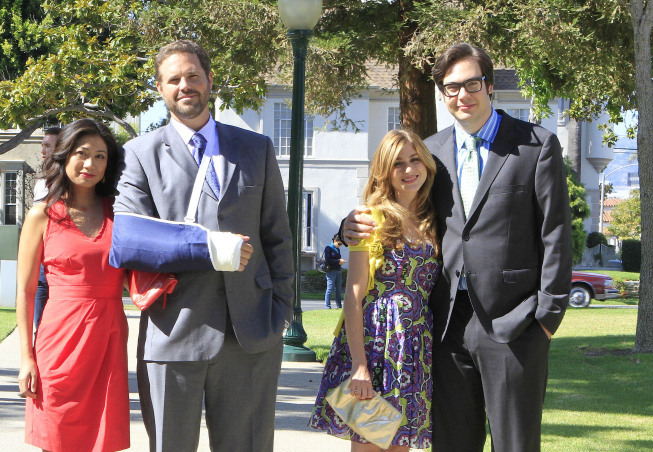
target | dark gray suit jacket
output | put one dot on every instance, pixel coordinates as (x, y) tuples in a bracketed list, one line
[(516, 244), (157, 181)]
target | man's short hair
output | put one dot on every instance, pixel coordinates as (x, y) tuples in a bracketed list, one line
[(463, 51), (52, 131), (182, 46)]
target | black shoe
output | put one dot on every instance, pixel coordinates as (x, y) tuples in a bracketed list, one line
[(328, 307)]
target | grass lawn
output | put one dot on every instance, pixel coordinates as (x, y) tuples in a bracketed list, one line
[(600, 396), (7, 321), (611, 302), (630, 276)]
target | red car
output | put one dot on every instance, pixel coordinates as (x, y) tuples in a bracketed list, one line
[(585, 286)]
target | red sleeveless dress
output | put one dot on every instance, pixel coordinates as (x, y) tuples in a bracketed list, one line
[(80, 349)]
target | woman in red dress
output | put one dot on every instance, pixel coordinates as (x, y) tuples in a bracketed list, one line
[(74, 375)]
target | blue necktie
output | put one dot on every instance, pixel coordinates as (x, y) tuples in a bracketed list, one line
[(199, 146)]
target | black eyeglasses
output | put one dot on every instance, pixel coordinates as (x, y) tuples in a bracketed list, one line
[(473, 85)]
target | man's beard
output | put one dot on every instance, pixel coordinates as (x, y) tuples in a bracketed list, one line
[(188, 111)]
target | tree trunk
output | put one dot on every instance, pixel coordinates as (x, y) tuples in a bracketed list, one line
[(574, 141), (642, 18), (416, 85)]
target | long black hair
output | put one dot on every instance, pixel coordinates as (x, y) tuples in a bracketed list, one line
[(56, 179)]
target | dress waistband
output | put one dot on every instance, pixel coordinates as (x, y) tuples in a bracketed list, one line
[(63, 292)]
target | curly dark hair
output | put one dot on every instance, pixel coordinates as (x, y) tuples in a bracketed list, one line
[(54, 166)]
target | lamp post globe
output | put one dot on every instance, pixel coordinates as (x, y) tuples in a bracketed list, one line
[(300, 16)]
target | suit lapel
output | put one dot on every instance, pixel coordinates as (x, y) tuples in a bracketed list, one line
[(228, 158), (175, 147), (448, 159), (499, 152)]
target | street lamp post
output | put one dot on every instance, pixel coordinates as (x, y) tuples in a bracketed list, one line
[(603, 176), (300, 16)]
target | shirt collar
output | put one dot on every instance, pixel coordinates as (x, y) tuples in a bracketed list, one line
[(487, 133), (208, 131)]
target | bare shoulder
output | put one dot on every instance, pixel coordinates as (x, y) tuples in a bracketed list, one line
[(36, 218)]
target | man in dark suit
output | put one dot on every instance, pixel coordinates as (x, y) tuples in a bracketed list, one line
[(217, 341), (504, 219)]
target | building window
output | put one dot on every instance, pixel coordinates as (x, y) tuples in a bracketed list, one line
[(519, 113), (394, 118), (9, 197), (308, 220), (282, 122), (633, 179)]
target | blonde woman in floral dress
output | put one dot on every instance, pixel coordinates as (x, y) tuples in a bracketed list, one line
[(385, 342)]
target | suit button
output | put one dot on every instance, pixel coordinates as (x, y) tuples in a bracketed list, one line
[(466, 237), (222, 293), (458, 273)]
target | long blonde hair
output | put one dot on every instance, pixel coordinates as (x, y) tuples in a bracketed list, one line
[(379, 192)]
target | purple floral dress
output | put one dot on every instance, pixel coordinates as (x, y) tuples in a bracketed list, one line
[(398, 326)]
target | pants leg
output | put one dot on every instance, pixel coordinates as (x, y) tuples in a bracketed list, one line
[(171, 395), (41, 298), (474, 374), (330, 277), (241, 392), (338, 284), (458, 405), (514, 379)]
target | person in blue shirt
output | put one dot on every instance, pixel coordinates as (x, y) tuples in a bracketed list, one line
[(334, 275)]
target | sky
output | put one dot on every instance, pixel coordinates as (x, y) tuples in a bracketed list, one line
[(153, 115)]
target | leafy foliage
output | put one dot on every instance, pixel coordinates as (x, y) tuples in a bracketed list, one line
[(580, 210), (596, 238), (631, 255), (627, 218), (20, 38)]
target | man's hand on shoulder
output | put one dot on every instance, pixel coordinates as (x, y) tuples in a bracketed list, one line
[(358, 226)]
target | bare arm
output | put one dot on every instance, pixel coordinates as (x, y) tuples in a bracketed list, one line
[(30, 252), (357, 226), (361, 382)]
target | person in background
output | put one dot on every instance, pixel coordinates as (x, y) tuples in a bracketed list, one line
[(40, 192), (74, 374), (385, 342), (334, 275)]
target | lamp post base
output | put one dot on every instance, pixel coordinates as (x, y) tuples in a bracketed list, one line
[(298, 354)]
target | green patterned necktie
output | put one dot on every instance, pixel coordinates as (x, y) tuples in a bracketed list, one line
[(470, 174)]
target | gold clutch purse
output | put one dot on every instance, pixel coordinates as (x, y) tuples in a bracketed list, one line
[(374, 419)]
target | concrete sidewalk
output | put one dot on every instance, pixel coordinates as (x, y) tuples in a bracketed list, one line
[(298, 386)]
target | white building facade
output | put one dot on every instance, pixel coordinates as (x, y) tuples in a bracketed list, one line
[(336, 162)]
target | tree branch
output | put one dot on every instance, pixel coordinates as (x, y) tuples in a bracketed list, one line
[(20, 136)]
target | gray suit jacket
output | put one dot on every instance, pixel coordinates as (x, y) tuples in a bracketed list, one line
[(516, 243), (157, 181)]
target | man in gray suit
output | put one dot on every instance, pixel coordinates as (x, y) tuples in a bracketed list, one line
[(501, 198), (217, 340)]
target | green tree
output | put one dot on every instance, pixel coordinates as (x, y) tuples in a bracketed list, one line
[(580, 210), (20, 38), (627, 218), (100, 58)]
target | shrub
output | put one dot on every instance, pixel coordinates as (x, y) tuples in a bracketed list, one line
[(631, 255), (620, 285), (315, 281), (596, 238)]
